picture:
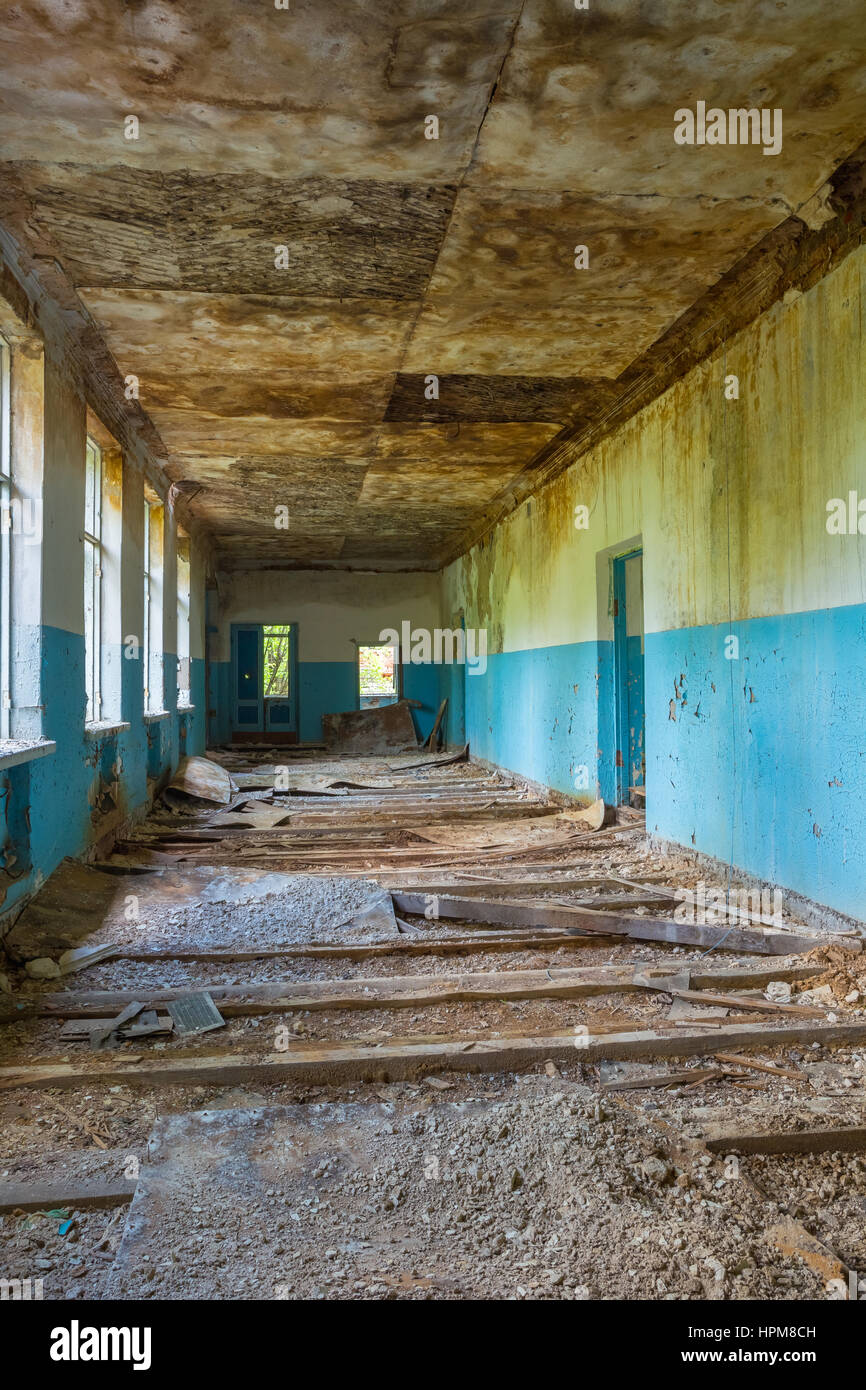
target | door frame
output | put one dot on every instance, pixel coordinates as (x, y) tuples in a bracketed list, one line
[(261, 733), (622, 761)]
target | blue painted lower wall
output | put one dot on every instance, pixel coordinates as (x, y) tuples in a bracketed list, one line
[(770, 765), (537, 712), (325, 687), (90, 785), (781, 756)]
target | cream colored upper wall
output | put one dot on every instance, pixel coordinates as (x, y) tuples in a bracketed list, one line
[(685, 471), (332, 608)]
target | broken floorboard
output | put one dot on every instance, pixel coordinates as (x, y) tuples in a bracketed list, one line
[(498, 913), (338, 1064), (419, 991)]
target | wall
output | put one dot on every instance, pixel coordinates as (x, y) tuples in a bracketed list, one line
[(78, 795), (759, 758), (334, 611)]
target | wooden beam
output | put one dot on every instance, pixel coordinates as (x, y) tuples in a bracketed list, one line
[(338, 1063), (434, 732), (518, 914), (515, 888), (849, 1139), (663, 1078), (416, 991), (543, 939), (744, 1001), (755, 1064), (788, 1235), (28, 1196)]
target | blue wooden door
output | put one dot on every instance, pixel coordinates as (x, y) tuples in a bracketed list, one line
[(247, 703), (628, 642)]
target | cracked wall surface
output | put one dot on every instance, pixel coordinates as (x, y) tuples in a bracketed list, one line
[(754, 748)]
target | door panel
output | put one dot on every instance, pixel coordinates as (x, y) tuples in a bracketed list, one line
[(628, 643), (247, 677)]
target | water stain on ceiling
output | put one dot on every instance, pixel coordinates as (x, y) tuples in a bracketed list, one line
[(402, 366)]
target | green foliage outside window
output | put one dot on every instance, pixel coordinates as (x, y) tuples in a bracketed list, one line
[(378, 670)]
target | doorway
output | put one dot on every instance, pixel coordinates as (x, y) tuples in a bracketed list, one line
[(265, 683), (628, 662)]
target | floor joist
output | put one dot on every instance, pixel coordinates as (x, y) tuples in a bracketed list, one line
[(404, 1061), (419, 991)]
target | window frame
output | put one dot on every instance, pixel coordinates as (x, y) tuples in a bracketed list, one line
[(145, 636), (397, 694), (154, 633), (184, 632), (6, 489), (93, 504)]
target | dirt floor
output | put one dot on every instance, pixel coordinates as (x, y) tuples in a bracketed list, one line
[(532, 1182)]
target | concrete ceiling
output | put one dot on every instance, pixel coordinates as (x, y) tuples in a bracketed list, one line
[(259, 127)]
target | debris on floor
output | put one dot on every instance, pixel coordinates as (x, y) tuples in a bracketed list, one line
[(424, 1035)]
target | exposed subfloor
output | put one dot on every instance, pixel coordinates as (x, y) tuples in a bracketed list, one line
[(383, 1165)]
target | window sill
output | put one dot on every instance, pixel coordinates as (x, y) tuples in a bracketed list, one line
[(156, 716), (101, 727), (14, 750), (185, 709)]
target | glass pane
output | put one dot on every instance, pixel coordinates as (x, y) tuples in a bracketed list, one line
[(91, 491), (276, 662), (248, 664), (378, 670), (145, 644), (89, 625)]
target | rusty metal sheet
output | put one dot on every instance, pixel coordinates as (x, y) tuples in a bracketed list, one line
[(199, 779), (386, 729)]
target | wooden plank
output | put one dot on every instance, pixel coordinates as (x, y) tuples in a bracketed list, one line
[(80, 1027), (788, 1235), (337, 1064), (792, 1238), (395, 991), (460, 756), (28, 1196), (432, 738), (664, 1078), (620, 924), (755, 1064), (545, 939), (745, 1001), (515, 888), (129, 1011), (848, 1139)]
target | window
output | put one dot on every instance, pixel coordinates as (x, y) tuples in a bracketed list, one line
[(145, 639), (184, 697), (378, 675), (93, 582), (5, 538), (154, 685), (276, 662), (22, 414)]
